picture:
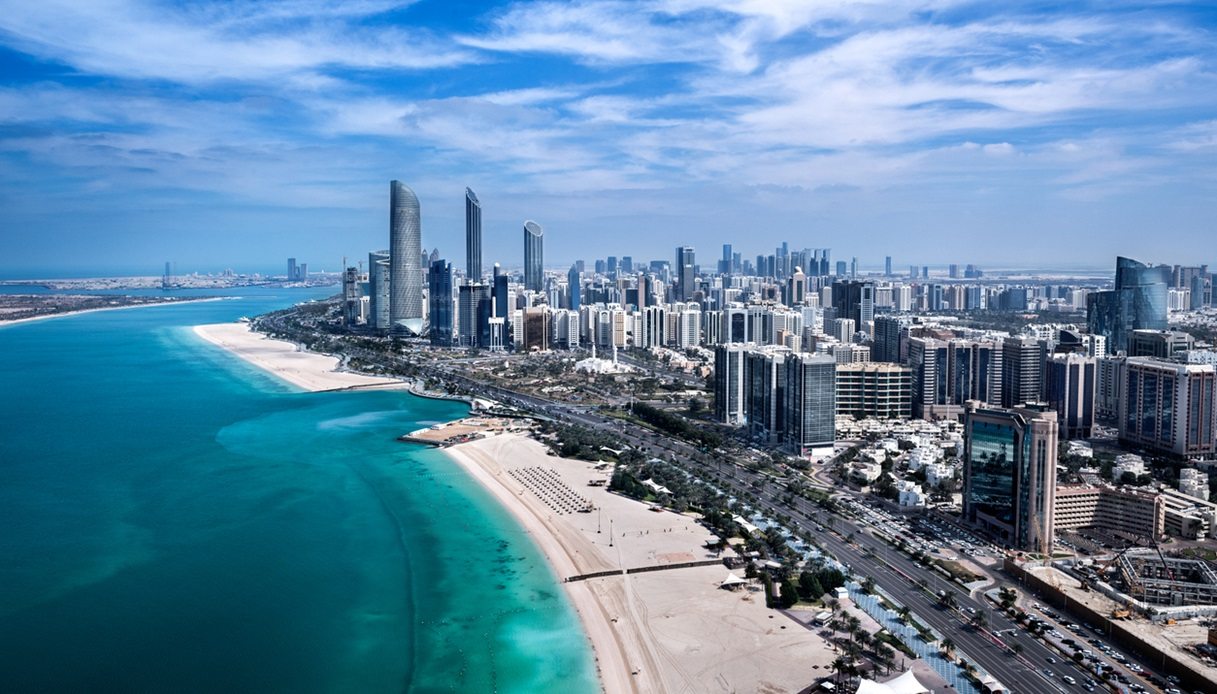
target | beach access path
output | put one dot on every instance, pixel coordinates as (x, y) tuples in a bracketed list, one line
[(672, 630), (306, 370)]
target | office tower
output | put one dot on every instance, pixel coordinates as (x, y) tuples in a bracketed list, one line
[(167, 278), (611, 266), (1138, 301), (729, 392), (925, 271), (912, 272), (644, 292), (688, 327), (1070, 384), (725, 265), (887, 266), (601, 267), (811, 402), (439, 296), (953, 271), (473, 237), (854, 300), (765, 375), (627, 265), (888, 332), (292, 273), (302, 270), (796, 288), (535, 329), (574, 285), (473, 314), (1010, 474), (1163, 344), (350, 296), (534, 273), (824, 260), (1022, 371), (685, 273), (378, 290), (853, 267), (1169, 407), (868, 389), (405, 252), (841, 268), (501, 301)]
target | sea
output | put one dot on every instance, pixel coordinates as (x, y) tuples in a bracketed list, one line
[(173, 519)]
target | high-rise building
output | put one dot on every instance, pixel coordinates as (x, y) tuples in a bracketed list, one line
[(729, 391), (292, 273), (686, 274), (473, 313), (1022, 375), (1169, 406), (534, 263), (574, 286), (1010, 474), (351, 279), (888, 333), (1163, 344), (725, 266), (439, 296), (1138, 301), (378, 290), (868, 389), (887, 266), (473, 237), (810, 402), (1070, 386), (405, 252), (854, 300)]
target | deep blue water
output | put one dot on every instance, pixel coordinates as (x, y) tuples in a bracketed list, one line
[(172, 519)]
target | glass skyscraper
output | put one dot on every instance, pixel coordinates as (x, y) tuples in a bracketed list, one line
[(534, 264), (439, 295), (1010, 474), (405, 254), (473, 237), (1138, 301)]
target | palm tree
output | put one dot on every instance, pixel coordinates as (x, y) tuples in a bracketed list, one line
[(979, 620), (948, 646), (841, 665), (947, 599)]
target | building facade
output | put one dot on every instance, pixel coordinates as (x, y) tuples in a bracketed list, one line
[(1169, 406), (534, 257), (405, 258)]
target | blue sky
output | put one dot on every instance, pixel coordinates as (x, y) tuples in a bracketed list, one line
[(239, 133)]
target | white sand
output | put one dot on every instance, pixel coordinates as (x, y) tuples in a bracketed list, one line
[(306, 370), (663, 631)]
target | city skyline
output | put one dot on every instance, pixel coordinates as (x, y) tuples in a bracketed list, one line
[(259, 133)]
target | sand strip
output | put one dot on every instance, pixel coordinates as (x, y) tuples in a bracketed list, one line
[(65, 314), (305, 370)]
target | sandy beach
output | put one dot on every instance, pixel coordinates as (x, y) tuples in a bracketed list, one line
[(66, 314), (305, 370), (671, 630)]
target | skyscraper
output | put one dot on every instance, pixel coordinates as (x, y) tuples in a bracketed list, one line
[(473, 237), (574, 288), (439, 294), (1070, 387), (854, 300), (685, 273), (811, 401), (405, 251), (378, 290), (729, 392), (534, 264), (291, 270), (1010, 474), (472, 316), (887, 266), (1169, 406), (1022, 375), (1138, 301)]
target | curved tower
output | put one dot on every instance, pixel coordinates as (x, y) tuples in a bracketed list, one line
[(473, 237), (533, 263), (405, 254)]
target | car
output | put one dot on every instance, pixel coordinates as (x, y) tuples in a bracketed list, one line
[(1068, 680), (1047, 672), (1051, 660)]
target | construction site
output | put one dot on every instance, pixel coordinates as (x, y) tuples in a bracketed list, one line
[(1150, 578)]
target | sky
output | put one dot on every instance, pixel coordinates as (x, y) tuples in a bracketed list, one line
[(238, 133)]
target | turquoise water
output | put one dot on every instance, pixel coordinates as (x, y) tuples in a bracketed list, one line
[(172, 519)]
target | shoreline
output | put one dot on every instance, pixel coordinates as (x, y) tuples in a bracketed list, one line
[(286, 361), (670, 626), (66, 314)]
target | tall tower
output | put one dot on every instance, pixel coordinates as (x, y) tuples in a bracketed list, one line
[(534, 275), (405, 249), (473, 237), (685, 272)]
